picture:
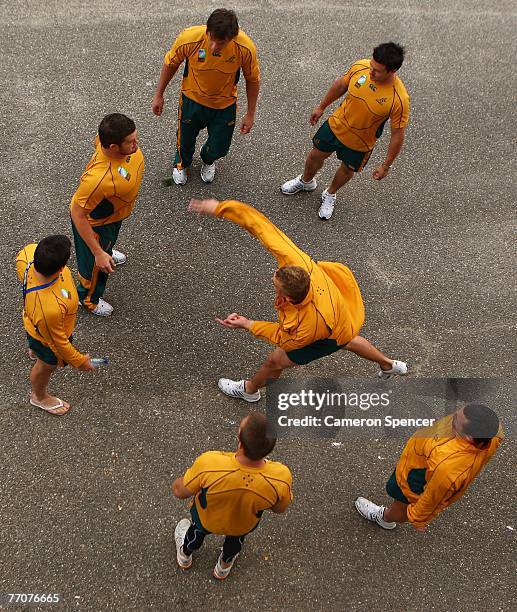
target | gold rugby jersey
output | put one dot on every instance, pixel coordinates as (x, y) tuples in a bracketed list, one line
[(360, 118)]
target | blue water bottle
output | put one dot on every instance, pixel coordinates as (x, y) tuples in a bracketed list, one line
[(99, 361)]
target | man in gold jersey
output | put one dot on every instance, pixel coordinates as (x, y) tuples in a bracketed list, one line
[(214, 56), (230, 492), (105, 197), (436, 467), (49, 311), (319, 305), (374, 94)]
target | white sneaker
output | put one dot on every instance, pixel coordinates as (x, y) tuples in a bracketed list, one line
[(103, 309), (372, 512), (207, 172), (398, 368), (118, 257), (221, 572), (328, 201), (183, 560), (295, 185), (235, 388), (179, 176)]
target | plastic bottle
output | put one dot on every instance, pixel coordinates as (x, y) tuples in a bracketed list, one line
[(99, 361)]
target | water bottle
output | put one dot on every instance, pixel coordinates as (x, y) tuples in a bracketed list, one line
[(99, 361)]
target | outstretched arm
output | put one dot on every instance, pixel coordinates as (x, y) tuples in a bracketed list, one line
[(253, 221), (285, 338)]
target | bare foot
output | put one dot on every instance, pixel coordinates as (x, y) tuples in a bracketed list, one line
[(50, 404)]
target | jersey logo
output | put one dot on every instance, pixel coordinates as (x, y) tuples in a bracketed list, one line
[(65, 294), (361, 80), (201, 55), (372, 87), (123, 173), (381, 100), (231, 59)]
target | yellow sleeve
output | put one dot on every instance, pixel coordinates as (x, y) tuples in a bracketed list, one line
[(399, 115), (180, 50), (361, 65), (275, 241), (250, 64), (52, 330), (287, 338), (439, 493), (286, 492), (192, 477), (23, 258), (93, 188)]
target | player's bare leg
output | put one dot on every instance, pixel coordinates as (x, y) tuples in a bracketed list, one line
[(341, 177), (313, 163), (276, 362), (396, 512), (365, 349), (40, 377)]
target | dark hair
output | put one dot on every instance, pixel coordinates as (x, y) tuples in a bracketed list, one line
[(223, 24), (389, 55), (114, 128), (51, 254), (256, 436), (482, 423), (295, 282)]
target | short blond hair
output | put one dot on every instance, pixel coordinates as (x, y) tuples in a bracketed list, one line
[(295, 282)]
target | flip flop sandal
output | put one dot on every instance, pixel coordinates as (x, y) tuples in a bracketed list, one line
[(52, 409)]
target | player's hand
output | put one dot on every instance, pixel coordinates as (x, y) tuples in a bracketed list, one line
[(105, 262), (87, 365), (204, 207), (157, 105), (380, 172), (316, 115), (235, 321), (247, 123)]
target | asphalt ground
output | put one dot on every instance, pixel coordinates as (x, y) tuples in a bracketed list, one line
[(85, 502)]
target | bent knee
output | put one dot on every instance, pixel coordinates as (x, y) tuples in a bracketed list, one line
[(278, 360), (352, 344)]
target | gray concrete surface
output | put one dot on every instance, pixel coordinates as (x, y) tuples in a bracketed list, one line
[(84, 500)]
